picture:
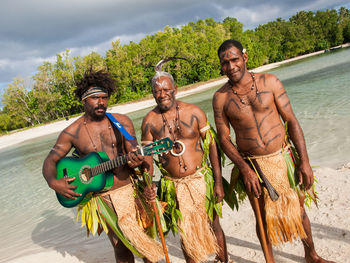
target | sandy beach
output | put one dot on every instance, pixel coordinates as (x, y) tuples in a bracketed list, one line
[(330, 221), (330, 224)]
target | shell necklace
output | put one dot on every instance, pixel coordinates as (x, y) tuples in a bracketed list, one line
[(178, 146)]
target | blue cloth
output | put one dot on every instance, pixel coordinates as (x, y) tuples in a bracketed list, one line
[(120, 127)]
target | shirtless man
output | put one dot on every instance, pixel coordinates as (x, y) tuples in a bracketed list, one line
[(186, 125), (93, 132), (253, 104)]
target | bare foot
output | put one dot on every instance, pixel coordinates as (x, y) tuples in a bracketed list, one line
[(316, 259)]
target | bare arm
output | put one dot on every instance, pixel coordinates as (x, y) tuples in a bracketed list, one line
[(214, 158), (131, 146), (295, 132), (60, 150), (146, 138), (222, 125), (147, 165)]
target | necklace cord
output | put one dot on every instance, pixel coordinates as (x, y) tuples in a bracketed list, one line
[(251, 88), (110, 134), (173, 134)]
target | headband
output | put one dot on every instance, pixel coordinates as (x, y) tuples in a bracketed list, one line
[(93, 91)]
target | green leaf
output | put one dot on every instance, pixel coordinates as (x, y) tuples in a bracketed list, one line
[(111, 220)]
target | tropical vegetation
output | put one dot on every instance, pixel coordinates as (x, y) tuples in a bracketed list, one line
[(49, 95)]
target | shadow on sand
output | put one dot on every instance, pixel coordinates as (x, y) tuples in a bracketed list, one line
[(65, 236)]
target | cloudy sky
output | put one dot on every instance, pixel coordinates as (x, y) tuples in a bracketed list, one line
[(33, 31)]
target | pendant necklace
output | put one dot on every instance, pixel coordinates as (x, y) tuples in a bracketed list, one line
[(178, 146), (92, 142), (251, 88)]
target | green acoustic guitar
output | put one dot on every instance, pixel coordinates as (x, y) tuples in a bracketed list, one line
[(93, 172)]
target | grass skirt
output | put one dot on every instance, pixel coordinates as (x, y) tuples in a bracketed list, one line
[(196, 233), (124, 205), (283, 217)]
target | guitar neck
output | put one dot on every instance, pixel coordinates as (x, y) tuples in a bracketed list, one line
[(111, 164)]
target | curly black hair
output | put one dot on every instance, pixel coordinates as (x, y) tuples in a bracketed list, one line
[(92, 78)]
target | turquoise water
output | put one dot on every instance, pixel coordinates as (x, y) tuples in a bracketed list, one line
[(32, 221)]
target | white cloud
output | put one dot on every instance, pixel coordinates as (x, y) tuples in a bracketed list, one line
[(250, 18), (4, 63)]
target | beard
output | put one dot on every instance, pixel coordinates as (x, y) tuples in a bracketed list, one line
[(165, 107), (91, 112)]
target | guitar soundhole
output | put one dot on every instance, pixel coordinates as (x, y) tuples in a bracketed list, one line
[(85, 175)]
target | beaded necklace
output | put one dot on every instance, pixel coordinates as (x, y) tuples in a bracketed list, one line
[(244, 94), (178, 146)]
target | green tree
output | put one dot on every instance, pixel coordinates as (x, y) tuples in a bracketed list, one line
[(255, 49), (310, 30), (19, 104), (46, 96), (331, 30), (344, 21), (270, 36), (234, 27), (5, 122)]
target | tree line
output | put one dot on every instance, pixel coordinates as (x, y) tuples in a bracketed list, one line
[(49, 95)]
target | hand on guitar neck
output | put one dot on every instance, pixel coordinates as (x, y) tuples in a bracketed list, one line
[(135, 158)]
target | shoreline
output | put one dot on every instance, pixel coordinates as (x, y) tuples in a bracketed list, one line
[(18, 137)]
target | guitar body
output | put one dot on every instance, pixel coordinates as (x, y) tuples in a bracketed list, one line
[(93, 172), (78, 168)]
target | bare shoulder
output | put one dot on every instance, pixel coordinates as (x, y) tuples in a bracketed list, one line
[(188, 106), (221, 94), (267, 80), (152, 113), (223, 90), (75, 127), (150, 116), (193, 111), (123, 119)]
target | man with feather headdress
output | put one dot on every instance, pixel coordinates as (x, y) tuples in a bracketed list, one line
[(192, 190)]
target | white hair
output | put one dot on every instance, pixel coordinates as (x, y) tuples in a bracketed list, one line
[(160, 74)]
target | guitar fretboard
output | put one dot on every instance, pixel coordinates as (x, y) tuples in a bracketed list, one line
[(111, 164)]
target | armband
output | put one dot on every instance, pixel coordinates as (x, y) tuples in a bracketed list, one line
[(205, 128)]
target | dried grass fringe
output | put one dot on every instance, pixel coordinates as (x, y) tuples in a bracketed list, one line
[(123, 202), (283, 217), (196, 233)]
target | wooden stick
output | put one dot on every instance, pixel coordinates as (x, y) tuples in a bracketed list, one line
[(160, 230), (148, 180), (261, 229)]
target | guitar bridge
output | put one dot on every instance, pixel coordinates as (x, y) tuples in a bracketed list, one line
[(65, 174)]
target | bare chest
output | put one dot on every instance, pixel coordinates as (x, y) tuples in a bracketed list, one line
[(186, 127), (97, 138), (242, 108)]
